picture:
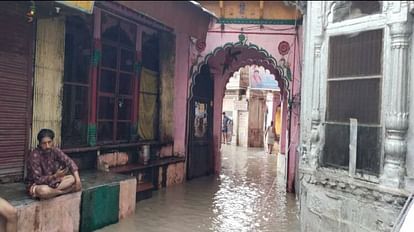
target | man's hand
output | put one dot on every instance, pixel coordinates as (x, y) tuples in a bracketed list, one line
[(60, 173), (78, 184)]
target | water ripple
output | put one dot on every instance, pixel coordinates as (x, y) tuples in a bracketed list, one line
[(247, 196)]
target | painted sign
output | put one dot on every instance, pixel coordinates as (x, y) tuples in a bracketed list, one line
[(84, 6), (262, 79)]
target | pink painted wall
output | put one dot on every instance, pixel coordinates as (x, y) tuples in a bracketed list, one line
[(186, 20), (182, 16), (218, 105), (283, 135), (295, 116), (269, 40), (181, 92)]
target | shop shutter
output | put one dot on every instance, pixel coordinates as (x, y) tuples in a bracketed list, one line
[(16, 37)]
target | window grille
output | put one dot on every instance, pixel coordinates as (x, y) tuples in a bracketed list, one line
[(354, 91)]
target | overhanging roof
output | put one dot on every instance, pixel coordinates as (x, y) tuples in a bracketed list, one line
[(204, 9)]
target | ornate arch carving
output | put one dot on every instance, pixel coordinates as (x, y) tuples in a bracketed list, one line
[(226, 59)]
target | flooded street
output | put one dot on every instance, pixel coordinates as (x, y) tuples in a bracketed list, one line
[(247, 196)]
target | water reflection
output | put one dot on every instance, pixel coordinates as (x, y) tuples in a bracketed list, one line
[(247, 196)]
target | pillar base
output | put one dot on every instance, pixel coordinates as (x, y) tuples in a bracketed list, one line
[(393, 175)]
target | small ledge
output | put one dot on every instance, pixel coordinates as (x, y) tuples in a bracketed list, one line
[(114, 146), (339, 181), (151, 163), (141, 187)]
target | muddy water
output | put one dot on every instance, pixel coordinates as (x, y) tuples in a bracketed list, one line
[(247, 196)]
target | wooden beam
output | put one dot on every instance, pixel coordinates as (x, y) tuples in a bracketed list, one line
[(221, 9), (261, 9)]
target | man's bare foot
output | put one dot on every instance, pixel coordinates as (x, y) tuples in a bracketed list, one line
[(68, 190)]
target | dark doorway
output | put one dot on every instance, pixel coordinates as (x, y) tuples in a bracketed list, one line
[(200, 157)]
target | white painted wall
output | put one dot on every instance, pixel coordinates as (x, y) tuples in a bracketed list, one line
[(318, 21)]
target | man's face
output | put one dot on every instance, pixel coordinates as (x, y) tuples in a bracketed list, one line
[(46, 144)]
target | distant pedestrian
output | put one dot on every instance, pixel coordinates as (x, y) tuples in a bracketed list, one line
[(270, 137), (229, 130), (224, 128)]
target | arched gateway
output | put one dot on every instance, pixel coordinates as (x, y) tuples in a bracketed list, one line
[(207, 86)]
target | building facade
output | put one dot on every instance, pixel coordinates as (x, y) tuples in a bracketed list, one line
[(356, 164), (109, 79)]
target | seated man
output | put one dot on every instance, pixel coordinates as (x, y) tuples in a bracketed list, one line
[(10, 214), (50, 172)]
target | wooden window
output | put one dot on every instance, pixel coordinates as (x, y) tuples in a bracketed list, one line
[(148, 112), (116, 78), (354, 91), (76, 86)]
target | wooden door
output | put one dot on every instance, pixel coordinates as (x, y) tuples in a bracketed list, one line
[(200, 157)]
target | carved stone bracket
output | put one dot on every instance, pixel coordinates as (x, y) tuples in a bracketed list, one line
[(396, 119), (316, 118)]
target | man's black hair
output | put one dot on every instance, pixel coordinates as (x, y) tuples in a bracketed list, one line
[(45, 133)]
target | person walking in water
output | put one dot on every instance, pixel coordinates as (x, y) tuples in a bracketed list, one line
[(270, 137), (224, 128)]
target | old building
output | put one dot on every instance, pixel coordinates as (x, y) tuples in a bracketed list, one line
[(111, 79), (104, 78), (356, 134)]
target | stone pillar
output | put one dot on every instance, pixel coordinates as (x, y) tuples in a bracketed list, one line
[(396, 118), (313, 158)]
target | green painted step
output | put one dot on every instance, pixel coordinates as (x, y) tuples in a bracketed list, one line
[(99, 207)]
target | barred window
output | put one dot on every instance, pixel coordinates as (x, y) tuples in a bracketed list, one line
[(115, 81), (354, 91)]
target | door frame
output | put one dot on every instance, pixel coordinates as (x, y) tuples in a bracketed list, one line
[(190, 123)]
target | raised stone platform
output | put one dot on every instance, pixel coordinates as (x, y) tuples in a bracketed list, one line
[(105, 198), (331, 201), (45, 215)]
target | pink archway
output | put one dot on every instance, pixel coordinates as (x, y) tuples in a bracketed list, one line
[(223, 62)]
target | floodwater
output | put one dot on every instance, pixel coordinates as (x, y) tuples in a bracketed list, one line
[(249, 195)]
